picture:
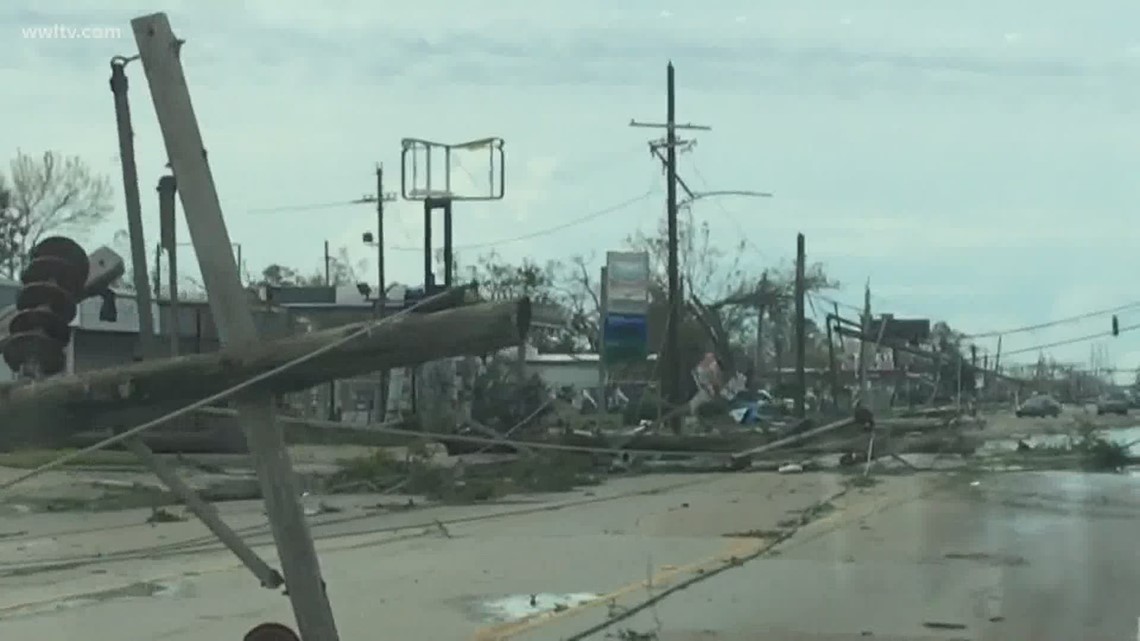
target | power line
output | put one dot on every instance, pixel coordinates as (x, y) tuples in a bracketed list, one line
[(492, 243), (548, 230), (314, 206), (1060, 321), (1071, 341), (577, 169), (366, 329)]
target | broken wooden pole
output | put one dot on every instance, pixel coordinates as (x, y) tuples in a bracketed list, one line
[(206, 513), (795, 438), (159, 52), (402, 341)]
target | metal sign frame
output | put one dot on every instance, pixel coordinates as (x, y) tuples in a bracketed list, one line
[(409, 146)]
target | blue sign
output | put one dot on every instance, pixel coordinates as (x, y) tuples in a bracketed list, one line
[(625, 338)]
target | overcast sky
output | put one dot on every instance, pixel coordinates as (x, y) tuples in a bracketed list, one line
[(975, 159)]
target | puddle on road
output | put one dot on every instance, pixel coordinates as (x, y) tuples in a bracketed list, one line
[(517, 607)]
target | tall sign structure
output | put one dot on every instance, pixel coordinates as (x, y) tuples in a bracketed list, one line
[(625, 308)]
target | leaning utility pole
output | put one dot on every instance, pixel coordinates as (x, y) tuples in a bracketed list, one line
[(159, 51), (761, 305), (119, 85), (864, 348), (675, 370), (801, 338), (167, 195)]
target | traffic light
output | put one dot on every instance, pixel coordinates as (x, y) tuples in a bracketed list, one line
[(51, 285), (1115, 326)]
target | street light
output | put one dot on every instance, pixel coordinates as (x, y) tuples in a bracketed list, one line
[(694, 196)]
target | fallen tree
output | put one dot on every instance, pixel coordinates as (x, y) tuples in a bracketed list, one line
[(44, 411)]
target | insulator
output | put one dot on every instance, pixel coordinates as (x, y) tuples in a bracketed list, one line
[(271, 632), (52, 284)]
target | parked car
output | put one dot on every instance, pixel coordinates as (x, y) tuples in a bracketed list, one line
[(1113, 403), (1039, 406)]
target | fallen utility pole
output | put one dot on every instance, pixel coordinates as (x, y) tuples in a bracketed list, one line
[(848, 332), (472, 330), (795, 438)]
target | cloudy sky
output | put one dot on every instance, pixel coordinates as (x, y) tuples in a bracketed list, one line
[(974, 159)]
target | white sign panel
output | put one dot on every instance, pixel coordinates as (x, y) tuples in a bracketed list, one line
[(627, 282)]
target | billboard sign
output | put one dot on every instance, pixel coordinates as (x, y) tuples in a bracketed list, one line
[(625, 333), (627, 282)]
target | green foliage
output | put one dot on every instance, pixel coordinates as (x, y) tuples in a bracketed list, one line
[(499, 400), (1100, 455), (543, 472)]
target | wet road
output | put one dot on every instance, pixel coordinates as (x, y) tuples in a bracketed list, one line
[(1025, 557), (997, 557)]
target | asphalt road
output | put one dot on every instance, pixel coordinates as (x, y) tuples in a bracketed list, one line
[(1009, 557), (1025, 557), (444, 572)]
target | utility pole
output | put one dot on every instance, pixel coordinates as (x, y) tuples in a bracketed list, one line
[(380, 198), (761, 305), (864, 348), (167, 192), (119, 87), (381, 297), (831, 374), (958, 395), (331, 409), (832, 330), (672, 349), (776, 315), (603, 401), (328, 278), (801, 338), (674, 260), (997, 358), (159, 52)]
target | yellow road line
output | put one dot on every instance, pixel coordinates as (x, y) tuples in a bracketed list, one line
[(737, 548)]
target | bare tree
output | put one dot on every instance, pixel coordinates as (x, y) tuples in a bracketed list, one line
[(49, 194), (722, 297)]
